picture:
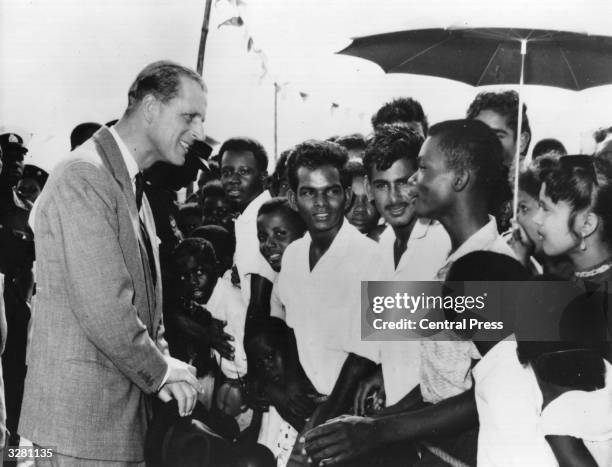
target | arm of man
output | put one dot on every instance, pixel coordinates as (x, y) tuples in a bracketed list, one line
[(570, 451), (100, 290), (350, 436), (354, 369)]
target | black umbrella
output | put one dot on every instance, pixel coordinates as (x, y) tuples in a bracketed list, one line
[(486, 56)]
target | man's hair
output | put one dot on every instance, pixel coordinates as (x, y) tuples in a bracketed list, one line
[(313, 154), (354, 168), (390, 143), (472, 145), (162, 79), (402, 109), (350, 142), (247, 144), (213, 188), (504, 103), (546, 146), (198, 248), (222, 241), (282, 206)]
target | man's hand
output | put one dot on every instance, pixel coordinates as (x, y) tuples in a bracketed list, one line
[(520, 243), (181, 385), (372, 386), (340, 439), (185, 395), (220, 340)]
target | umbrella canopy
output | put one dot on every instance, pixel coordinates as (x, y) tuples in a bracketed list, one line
[(488, 56)]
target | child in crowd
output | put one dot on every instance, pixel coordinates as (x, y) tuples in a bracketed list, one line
[(216, 208), (279, 181), (222, 241), (272, 355), (277, 226), (216, 305), (189, 218), (362, 212)]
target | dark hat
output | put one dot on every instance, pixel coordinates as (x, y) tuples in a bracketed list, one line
[(187, 441), (38, 174), (82, 132), (11, 142)]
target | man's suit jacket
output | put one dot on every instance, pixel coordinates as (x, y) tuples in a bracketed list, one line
[(97, 345)]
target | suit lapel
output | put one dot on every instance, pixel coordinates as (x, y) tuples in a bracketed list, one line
[(113, 160)]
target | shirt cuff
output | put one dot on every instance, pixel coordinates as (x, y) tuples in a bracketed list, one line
[(165, 379)]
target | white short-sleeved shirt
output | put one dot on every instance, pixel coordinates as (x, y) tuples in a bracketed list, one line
[(277, 309), (426, 251), (226, 304), (513, 424), (446, 364), (323, 306), (247, 257)]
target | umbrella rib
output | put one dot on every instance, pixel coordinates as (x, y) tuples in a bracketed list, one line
[(421, 53), (488, 65), (569, 67)]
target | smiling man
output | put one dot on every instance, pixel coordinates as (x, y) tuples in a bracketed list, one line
[(244, 165), (321, 273), (97, 348)]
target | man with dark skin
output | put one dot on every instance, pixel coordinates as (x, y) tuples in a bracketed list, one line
[(459, 167)]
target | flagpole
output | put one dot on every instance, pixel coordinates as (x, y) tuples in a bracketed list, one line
[(203, 36), (517, 158), (276, 86)]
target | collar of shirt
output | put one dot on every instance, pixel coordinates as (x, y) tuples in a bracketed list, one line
[(250, 212), (342, 241), (128, 158)]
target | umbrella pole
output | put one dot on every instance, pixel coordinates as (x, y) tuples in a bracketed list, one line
[(517, 157)]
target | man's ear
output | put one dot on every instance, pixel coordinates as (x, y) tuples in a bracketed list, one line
[(524, 143), (348, 198), (150, 107), (292, 198), (461, 179), (368, 187), (588, 223)]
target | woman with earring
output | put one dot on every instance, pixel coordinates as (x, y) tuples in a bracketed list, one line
[(574, 216)]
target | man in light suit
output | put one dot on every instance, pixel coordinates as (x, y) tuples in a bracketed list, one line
[(97, 347)]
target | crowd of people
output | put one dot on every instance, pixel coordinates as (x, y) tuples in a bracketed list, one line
[(240, 307)]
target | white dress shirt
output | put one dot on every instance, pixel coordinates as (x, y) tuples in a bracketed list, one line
[(323, 306)]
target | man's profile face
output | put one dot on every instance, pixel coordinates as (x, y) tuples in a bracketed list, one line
[(320, 198), (179, 121), (393, 194), (433, 182), (499, 124), (241, 177)]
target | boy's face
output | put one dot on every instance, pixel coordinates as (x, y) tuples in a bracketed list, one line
[(269, 361), (393, 195), (196, 282), (241, 178), (362, 213), (433, 182), (217, 211), (320, 198), (275, 232)]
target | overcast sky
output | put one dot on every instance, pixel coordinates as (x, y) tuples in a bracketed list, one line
[(66, 61)]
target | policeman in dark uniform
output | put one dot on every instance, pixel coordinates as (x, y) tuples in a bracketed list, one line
[(16, 260)]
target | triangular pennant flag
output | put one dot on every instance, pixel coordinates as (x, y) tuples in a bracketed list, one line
[(235, 21), (333, 107), (303, 95), (249, 44), (240, 3)]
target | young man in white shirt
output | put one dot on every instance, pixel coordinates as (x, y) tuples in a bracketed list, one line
[(244, 165), (321, 274)]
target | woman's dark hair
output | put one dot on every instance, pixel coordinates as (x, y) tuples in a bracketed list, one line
[(530, 179), (583, 182)]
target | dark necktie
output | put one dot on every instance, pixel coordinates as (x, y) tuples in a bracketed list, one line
[(139, 179)]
